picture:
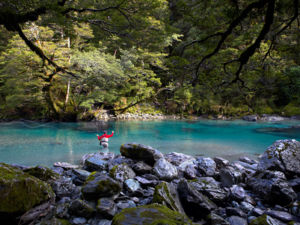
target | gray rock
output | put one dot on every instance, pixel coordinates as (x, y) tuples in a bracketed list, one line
[(237, 193), (166, 194), (61, 211), (272, 118), (125, 204), (230, 211), (141, 152), (81, 208), (95, 163), (295, 184), (194, 203), (132, 185), (247, 160), (165, 170), (231, 175), (65, 165), (178, 158), (100, 185), (122, 172), (78, 221), (251, 118), (206, 165), (295, 209), (100, 155), (272, 187), (141, 168), (211, 188), (257, 211), (190, 171), (104, 222), (151, 181), (249, 166), (81, 174), (118, 160), (283, 216), (220, 162), (236, 220), (283, 155), (64, 187), (106, 207), (215, 219), (266, 220), (246, 207)]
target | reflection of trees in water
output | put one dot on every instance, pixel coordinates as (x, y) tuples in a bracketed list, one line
[(288, 132)]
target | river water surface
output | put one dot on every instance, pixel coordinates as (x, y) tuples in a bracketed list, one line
[(32, 143)]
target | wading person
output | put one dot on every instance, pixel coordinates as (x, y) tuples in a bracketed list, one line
[(104, 139)]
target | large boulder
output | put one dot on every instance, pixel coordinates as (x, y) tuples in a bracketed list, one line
[(207, 166), (100, 185), (273, 187), (194, 203), (150, 215), (95, 163), (141, 152), (178, 158), (43, 173), (19, 192), (283, 155), (81, 208), (165, 170), (166, 194)]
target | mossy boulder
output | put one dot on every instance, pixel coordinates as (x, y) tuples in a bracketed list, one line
[(81, 208), (264, 220), (20, 192), (154, 214), (141, 152), (283, 155), (54, 221), (166, 194), (43, 173), (100, 185)]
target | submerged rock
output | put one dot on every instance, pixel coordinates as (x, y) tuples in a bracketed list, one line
[(99, 185), (165, 170), (19, 192), (150, 215), (283, 155), (141, 152)]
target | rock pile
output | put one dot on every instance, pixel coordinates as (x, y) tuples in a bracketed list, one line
[(143, 186)]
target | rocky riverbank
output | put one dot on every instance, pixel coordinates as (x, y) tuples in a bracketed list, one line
[(143, 186)]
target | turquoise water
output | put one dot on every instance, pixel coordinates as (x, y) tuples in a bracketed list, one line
[(31, 143)]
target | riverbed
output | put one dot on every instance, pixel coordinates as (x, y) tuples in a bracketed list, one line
[(33, 143)]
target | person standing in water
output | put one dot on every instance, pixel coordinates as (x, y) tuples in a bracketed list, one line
[(104, 138)]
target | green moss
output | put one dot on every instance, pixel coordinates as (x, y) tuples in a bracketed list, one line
[(20, 191), (91, 177), (262, 220), (112, 172), (163, 196), (43, 173)]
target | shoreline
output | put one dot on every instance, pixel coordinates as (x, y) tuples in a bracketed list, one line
[(108, 188)]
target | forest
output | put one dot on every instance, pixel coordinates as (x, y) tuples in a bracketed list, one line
[(69, 59)]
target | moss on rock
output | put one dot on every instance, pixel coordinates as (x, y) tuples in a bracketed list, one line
[(150, 215), (20, 191), (43, 173)]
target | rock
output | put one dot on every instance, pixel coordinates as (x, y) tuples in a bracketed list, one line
[(194, 203), (99, 185), (81, 208), (178, 158), (19, 192), (190, 171), (214, 219), (106, 207), (81, 174), (141, 152), (147, 180), (236, 220), (231, 175), (283, 216), (246, 207), (211, 188), (95, 163), (251, 118), (125, 204), (272, 118), (54, 221), (257, 211), (237, 193), (100, 155), (220, 162), (252, 167), (141, 168), (165, 170), (64, 187), (122, 172), (295, 184), (166, 194), (265, 220), (283, 155), (230, 211), (132, 185), (61, 211), (42, 173), (65, 165), (295, 209), (150, 214), (207, 166), (272, 187), (104, 222), (247, 160), (78, 221)]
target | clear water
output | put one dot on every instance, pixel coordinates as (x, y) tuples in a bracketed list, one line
[(31, 143)]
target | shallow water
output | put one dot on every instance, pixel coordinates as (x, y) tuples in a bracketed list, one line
[(31, 143)]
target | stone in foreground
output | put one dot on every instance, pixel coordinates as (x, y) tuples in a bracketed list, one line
[(150, 214), (165, 170)]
